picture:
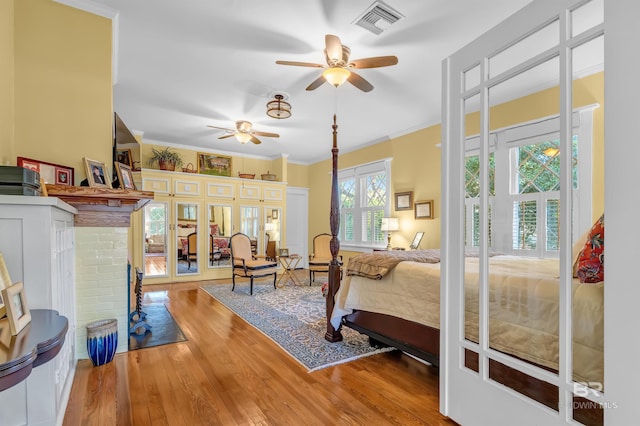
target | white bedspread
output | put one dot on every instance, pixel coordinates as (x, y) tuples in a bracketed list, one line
[(523, 303)]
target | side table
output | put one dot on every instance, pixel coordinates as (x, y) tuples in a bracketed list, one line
[(289, 264)]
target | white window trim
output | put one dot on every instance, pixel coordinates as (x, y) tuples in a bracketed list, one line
[(357, 173)]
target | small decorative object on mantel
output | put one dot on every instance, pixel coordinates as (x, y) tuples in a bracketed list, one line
[(17, 309), (268, 176), (189, 169), (247, 175), (52, 173), (125, 178), (165, 158)]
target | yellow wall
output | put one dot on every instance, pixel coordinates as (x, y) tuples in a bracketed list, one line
[(298, 175), (416, 161), (7, 154), (62, 85)]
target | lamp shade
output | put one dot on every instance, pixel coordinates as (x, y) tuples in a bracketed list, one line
[(279, 108), (243, 137), (389, 224), (336, 75)]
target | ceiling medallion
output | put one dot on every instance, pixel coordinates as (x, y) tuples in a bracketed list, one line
[(279, 108)]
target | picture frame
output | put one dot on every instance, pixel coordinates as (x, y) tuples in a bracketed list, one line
[(283, 252), (55, 174), (404, 200), (97, 174), (213, 164), (415, 244), (423, 209), (274, 213), (17, 308), (124, 156), (125, 176)]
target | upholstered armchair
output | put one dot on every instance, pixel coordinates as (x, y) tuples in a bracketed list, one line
[(245, 264), (321, 257)]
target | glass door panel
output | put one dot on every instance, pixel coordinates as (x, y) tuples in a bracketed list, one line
[(187, 247), (155, 219), (220, 230)]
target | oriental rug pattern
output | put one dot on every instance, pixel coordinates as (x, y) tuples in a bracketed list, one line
[(294, 318)]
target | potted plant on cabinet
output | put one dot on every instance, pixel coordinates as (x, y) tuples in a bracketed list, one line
[(166, 159)]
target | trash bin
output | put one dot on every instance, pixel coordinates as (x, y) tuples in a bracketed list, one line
[(102, 341)]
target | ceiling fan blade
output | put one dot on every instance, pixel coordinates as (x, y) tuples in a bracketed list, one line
[(316, 83), (360, 82), (300, 64), (255, 140), (333, 48), (376, 62), (226, 136), (266, 134), (221, 128)]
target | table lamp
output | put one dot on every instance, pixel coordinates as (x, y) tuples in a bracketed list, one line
[(389, 225)]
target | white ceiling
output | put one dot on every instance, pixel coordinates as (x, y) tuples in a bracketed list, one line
[(183, 65)]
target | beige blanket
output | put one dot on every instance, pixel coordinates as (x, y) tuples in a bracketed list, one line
[(379, 263)]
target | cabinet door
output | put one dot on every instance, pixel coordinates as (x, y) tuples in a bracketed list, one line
[(220, 219), (273, 193), (186, 187), (157, 185), (221, 190), (249, 192), (186, 226)]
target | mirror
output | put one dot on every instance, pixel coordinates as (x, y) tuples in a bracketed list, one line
[(155, 239), (250, 225), (220, 230), (187, 238)]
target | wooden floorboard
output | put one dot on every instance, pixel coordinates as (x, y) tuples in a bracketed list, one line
[(229, 373)]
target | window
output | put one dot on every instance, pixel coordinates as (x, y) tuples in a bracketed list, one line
[(527, 160), (364, 201)]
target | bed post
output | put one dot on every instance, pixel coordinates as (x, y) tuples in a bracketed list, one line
[(332, 334)]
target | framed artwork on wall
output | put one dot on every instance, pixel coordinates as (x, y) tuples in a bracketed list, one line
[(213, 164), (424, 209), (404, 200)]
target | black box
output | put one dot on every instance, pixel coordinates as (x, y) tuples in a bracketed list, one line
[(19, 190)]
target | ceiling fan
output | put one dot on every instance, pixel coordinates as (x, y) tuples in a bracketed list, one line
[(243, 132), (339, 68)]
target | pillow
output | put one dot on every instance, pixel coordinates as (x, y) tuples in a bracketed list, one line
[(578, 244), (591, 259)]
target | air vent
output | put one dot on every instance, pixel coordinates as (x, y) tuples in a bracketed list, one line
[(378, 17)]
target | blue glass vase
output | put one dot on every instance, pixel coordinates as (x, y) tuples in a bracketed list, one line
[(102, 341)]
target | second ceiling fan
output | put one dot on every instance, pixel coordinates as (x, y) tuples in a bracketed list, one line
[(339, 69), (244, 133)]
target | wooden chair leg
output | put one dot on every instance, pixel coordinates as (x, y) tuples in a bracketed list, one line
[(251, 286), (275, 275), (233, 279)]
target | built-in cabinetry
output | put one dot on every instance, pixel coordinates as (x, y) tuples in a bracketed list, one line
[(184, 232), (37, 242)]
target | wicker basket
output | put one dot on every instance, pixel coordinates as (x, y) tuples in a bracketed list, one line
[(247, 175), (268, 176), (189, 169)]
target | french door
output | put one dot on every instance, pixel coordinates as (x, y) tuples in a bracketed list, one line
[(533, 67)]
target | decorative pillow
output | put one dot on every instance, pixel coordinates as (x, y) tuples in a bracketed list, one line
[(591, 259)]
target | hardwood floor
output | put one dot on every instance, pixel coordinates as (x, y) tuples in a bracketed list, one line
[(228, 373)]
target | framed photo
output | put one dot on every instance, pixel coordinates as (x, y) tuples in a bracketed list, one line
[(424, 209), (124, 176), (54, 174), (283, 252), (404, 200), (212, 164), (97, 175), (17, 308), (124, 156), (416, 241), (274, 213)]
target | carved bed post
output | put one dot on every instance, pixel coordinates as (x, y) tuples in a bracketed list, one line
[(332, 334)]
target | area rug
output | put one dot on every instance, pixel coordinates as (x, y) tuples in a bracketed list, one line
[(164, 329), (294, 318)]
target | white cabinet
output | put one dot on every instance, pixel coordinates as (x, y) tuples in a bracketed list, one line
[(37, 244)]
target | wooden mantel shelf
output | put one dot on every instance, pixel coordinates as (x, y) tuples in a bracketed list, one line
[(101, 206)]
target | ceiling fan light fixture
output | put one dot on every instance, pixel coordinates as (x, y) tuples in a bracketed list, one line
[(243, 137), (279, 108), (336, 75)]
